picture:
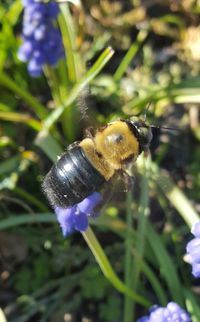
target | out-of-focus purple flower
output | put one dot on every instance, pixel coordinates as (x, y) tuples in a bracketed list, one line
[(76, 217), (193, 250), (42, 42), (171, 313)]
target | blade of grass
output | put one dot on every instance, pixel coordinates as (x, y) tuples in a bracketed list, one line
[(154, 282), (10, 164), (143, 211), (30, 198), (128, 303), (142, 35), (46, 142), (2, 316), (17, 220), (166, 264), (173, 193), (14, 12), (192, 305), (74, 69), (93, 244), (21, 118), (187, 91), (107, 270), (120, 228), (179, 200), (53, 83), (69, 40), (37, 107), (89, 76)]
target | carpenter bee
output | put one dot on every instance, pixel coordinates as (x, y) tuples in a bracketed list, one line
[(86, 165)]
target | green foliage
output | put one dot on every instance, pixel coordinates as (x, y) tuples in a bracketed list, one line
[(154, 61)]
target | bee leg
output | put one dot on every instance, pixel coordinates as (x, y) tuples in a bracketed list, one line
[(72, 145), (128, 180), (90, 132)]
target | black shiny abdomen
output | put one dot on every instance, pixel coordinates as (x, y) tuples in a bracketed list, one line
[(71, 179)]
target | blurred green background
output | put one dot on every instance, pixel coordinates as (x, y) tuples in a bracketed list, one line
[(44, 277)]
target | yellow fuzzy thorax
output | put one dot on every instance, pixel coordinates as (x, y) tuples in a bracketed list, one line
[(116, 143), (110, 148)]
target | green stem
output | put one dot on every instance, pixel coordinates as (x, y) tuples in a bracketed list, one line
[(107, 270), (53, 83), (174, 195), (18, 220), (2, 316), (39, 109), (59, 97), (128, 304), (21, 118), (178, 199), (69, 40), (27, 196), (141, 231), (74, 69), (130, 55), (90, 75)]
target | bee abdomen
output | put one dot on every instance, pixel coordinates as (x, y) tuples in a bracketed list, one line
[(71, 179)]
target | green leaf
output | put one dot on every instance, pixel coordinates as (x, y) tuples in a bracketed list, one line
[(171, 191), (48, 145), (21, 118), (192, 305), (17, 220), (14, 11), (10, 165), (107, 270), (76, 90), (7, 82), (166, 265), (142, 35), (2, 316)]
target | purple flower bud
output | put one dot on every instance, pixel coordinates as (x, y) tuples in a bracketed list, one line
[(76, 217), (171, 313), (42, 39), (40, 32), (34, 68), (81, 221), (53, 10), (87, 205), (25, 51), (196, 230), (66, 220), (193, 250)]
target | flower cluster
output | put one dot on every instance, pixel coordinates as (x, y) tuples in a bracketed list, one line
[(76, 217), (42, 39), (193, 250), (171, 313)]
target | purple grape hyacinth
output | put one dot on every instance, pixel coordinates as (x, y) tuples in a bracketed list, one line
[(76, 217), (171, 313), (193, 250), (42, 42)]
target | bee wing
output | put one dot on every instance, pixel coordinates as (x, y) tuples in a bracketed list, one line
[(107, 192), (120, 183)]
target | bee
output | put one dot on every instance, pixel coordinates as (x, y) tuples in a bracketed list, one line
[(87, 165)]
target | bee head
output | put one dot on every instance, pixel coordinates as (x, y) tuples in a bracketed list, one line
[(142, 131)]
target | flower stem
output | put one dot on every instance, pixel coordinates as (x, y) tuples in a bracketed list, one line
[(107, 270), (128, 303), (53, 83), (68, 31)]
